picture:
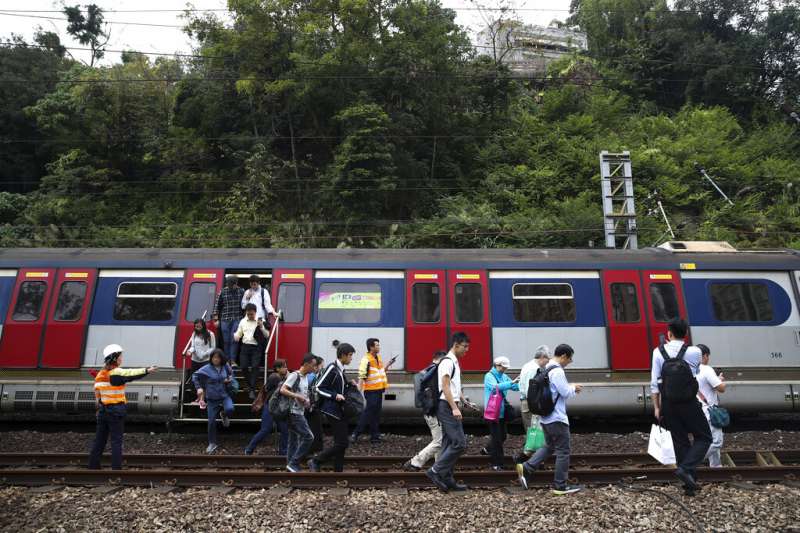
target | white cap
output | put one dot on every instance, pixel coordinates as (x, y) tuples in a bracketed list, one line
[(502, 361), (111, 349)]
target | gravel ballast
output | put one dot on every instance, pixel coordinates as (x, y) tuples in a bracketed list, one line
[(610, 508)]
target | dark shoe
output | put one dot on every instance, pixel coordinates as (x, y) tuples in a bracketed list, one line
[(484, 451), (376, 440), (252, 395), (454, 486), (408, 467), (353, 438), (497, 468), (688, 480), (248, 451), (566, 489), (689, 492), (313, 465), (438, 481)]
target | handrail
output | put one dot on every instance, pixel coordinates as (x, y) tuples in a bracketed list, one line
[(272, 335)]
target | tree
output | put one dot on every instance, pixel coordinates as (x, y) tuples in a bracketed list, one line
[(88, 29)]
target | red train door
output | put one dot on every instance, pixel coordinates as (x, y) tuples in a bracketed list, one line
[(24, 327), (291, 294), (627, 323), (664, 297), (426, 322), (68, 318), (200, 290), (468, 297)]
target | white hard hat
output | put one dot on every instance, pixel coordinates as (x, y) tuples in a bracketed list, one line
[(112, 349), (502, 361)]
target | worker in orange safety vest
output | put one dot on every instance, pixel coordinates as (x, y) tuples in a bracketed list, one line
[(373, 382)]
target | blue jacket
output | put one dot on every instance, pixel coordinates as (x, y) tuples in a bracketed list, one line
[(212, 381), (493, 379)]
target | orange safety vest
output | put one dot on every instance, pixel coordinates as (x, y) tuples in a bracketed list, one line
[(376, 375), (105, 392)]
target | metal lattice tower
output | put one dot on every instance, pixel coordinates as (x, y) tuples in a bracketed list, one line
[(619, 214)]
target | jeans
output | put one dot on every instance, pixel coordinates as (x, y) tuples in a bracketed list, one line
[(556, 440), (714, 453), (371, 415), (431, 451), (300, 439), (266, 429), (497, 436), (231, 347), (684, 418), (454, 442), (110, 422), (340, 442), (250, 360), (213, 407)]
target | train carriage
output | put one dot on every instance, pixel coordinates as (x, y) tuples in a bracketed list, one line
[(59, 307)]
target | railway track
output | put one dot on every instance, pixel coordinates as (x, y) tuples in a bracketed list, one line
[(254, 472)]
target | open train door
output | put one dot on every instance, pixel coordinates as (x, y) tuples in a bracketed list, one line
[(628, 331), (68, 318), (291, 294), (201, 287), (468, 296), (426, 323), (24, 325)]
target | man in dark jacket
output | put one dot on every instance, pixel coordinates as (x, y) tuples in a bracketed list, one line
[(331, 387)]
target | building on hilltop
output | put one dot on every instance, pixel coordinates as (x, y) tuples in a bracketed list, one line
[(525, 49)]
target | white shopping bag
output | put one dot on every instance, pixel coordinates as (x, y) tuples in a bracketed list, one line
[(660, 447)]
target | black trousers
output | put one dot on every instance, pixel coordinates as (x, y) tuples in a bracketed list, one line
[(110, 422), (314, 418), (497, 436), (249, 361), (340, 442), (681, 419), (371, 415)]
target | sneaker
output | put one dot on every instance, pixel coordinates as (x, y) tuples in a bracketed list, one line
[(484, 451), (455, 486), (313, 465), (688, 480), (293, 469), (408, 466), (211, 448), (226, 421), (496, 468), (248, 451), (566, 489), (438, 481), (353, 438), (521, 475), (252, 395)]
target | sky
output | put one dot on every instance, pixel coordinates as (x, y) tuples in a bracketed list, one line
[(22, 17)]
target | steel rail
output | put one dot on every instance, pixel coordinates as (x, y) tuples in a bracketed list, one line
[(373, 480), (740, 458)]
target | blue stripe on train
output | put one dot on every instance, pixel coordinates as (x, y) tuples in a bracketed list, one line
[(6, 289), (392, 303), (106, 296), (587, 294), (701, 309)]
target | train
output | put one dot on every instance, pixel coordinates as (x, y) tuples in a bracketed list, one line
[(60, 307)]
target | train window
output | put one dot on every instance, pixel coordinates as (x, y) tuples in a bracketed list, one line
[(145, 301), (202, 297), (29, 301), (469, 303), (543, 302), (741, 302), (349, 303), (70, 301), (425, 303), (624, 303), (665, 302), (292, 301)]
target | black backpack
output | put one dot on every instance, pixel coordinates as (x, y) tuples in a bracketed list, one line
[(279, 405), (540, 399), (677, 384), (426, 389)]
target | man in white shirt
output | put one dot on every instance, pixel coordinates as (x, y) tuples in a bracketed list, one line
[(259, 297), (709, 384), (684, 417), (540, 359), (451, 399)]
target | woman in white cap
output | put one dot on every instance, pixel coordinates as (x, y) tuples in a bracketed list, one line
[(496, 378), (109, 392)]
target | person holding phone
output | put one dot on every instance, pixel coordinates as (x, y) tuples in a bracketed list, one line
[(372, 381)]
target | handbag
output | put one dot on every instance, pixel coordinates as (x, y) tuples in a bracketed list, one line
[(660, 446), (718, 416), (260, 400), (232, 387), (493, 406), (534, 439), (353, 404)]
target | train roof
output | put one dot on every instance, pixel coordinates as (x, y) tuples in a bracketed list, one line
[(363, 258)]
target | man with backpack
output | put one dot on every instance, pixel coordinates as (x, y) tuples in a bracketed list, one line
[(448, 411), (431, 451), (295, 388), (673, 387), (547, 396)]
